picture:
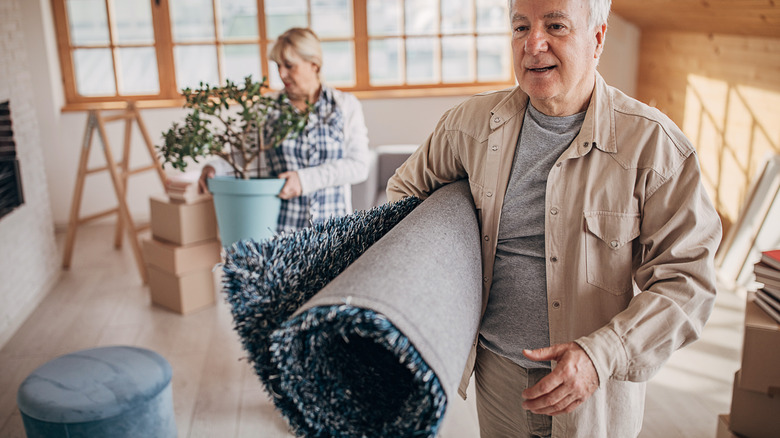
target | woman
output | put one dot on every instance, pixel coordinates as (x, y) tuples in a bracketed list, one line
[(320, 164)]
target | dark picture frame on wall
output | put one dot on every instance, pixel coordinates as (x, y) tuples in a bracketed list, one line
[(11, 195)]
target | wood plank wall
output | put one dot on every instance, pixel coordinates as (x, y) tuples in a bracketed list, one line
[(724, 92)]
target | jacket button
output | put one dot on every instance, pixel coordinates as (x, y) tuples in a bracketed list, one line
[(614, 244), (585, 145), (558, 165), (553, 259), (495, 148), (553, 211), (489, 194), (485, 279), (556, 304), (497, 120), (487, 238)]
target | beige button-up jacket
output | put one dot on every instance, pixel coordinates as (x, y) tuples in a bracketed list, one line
[(630, 236)]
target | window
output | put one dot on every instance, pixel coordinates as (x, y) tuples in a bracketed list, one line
[(416, 42), (114, 50)]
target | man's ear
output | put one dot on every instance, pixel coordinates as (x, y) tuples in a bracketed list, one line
[(601, 34)]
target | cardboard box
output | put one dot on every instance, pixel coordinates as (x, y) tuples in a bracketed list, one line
[(760, 351), (723, 428), (183, 224), (754, 414), (182, 293), (180, 259)]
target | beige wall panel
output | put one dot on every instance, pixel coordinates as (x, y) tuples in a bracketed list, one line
[(724, 92)]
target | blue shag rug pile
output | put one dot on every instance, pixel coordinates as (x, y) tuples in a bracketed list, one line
[(333, 371)]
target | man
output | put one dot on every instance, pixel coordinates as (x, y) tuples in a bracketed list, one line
[(597, 237)]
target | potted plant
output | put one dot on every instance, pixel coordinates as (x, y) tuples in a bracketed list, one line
[(246, 207)]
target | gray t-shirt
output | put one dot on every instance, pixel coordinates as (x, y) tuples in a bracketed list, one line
[(516, 315)]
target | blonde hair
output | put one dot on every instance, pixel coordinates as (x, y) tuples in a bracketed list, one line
[(301, 41)]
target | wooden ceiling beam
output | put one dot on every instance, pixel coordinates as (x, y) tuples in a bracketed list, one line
[(737, 17)]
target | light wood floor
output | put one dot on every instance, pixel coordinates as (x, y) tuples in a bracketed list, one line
[(100, 301)]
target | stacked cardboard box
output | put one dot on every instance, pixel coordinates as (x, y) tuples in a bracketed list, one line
[(182, 253), (767, 271), (723, 428), (755, 402)]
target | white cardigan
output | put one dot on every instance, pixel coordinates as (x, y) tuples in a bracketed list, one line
[(353, 167)]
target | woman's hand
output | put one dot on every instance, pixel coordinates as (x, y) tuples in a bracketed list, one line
[(292, 188), (206, 173)]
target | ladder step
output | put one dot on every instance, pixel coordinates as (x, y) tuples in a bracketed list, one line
[(141, 169), (123, 116), (96, 170), (96, 216)]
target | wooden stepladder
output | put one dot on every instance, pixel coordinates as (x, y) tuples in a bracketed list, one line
[(119, 172)]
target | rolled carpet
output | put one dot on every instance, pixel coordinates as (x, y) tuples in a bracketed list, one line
[(362, 326)]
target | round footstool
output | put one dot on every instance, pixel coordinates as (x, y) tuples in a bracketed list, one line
[(113, 392)]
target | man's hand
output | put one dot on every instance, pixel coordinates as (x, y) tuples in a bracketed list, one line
[(292, 188), (567, 386)]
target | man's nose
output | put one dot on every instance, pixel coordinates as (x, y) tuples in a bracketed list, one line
[(536, 42)]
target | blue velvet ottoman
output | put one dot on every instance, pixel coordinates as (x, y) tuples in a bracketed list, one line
[(112, 392)]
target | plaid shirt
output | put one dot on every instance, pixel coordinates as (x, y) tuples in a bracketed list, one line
[(322, 140)]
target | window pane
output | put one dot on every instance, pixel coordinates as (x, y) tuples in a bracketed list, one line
[(332, 18), (493, 58), (422, 18), (492, 16), (281, 15), (242, 60), (339, 63), (88, 22), (420, 67), (138, 70), (457, 59), (457, 16), (239, 18), (384, 17), (94, 72), (384, 60), (195, 64), (192, 20), (133, 20)]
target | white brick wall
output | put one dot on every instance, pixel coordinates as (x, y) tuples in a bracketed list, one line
[(29, 259)]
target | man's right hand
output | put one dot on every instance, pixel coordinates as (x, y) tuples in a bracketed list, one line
[(206, 173)]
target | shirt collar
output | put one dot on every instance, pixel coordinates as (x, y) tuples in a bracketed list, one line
[(598, 128), (510, 106)]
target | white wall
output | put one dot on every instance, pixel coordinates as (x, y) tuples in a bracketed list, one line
[(402, 120), (29, 263), (619, 63)]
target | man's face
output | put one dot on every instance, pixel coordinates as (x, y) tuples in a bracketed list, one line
[(555, 53)]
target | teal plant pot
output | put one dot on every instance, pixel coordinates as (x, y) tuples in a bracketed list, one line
[(246, 208)]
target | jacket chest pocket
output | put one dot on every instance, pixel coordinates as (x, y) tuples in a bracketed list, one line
[(609, 250)]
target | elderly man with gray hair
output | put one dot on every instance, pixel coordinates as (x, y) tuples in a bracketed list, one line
[(597, 236)]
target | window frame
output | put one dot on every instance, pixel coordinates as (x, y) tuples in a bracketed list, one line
[(170, 96)]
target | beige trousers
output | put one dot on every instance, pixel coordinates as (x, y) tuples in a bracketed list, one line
[(499, 385)]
